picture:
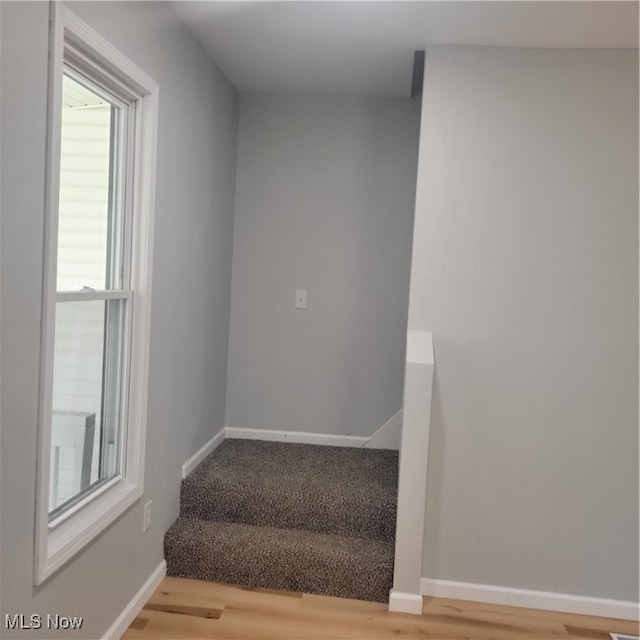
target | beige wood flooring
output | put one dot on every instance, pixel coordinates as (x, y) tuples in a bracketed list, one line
[(184, 609)]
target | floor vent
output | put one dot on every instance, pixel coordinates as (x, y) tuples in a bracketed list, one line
[(623, 636)]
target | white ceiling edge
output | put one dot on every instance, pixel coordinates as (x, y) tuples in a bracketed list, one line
[(365, 47)]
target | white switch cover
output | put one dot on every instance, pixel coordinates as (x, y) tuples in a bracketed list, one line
[(301, 299)]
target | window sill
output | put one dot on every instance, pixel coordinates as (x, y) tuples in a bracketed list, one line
[(66, 538)]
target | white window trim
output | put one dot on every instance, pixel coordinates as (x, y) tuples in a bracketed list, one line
[(57, 542)]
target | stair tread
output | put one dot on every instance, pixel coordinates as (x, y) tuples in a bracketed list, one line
[(298, 486), (285, 559)]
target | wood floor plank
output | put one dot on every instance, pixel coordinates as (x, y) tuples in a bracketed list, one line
[(186, 594), (285, 594), (502, 620), (535, 617), (139, 623), (197, 612), (582, 632), (170, 626), (183, 609)]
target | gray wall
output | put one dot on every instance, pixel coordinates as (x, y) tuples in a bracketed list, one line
[(324, 202), (191, 294), (525, 268)]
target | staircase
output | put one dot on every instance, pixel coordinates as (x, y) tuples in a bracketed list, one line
[(293, 517)]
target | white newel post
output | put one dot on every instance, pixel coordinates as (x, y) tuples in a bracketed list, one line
[(412, 481)]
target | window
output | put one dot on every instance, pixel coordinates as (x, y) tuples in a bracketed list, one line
[(95, 329)]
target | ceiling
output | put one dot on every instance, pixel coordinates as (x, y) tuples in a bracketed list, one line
[(366, 47)]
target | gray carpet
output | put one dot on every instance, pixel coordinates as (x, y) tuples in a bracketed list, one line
[(289, 516)]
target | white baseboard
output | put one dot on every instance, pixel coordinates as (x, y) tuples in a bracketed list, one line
[(383, 439), (202, 453), (545, 600), (129, 613), (388, 435), (295, 436), (405, 602)]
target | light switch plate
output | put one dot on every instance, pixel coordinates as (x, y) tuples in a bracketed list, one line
[(301, 299)]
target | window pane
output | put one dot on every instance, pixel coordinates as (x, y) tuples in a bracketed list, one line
[(86, 220), (85, 438)]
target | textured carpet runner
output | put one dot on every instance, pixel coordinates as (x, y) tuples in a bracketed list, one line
[(294, 517)]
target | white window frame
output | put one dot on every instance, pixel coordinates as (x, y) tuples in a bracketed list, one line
[(71, 39)]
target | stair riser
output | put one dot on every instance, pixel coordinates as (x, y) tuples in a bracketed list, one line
[(296, 511), (336, 567)]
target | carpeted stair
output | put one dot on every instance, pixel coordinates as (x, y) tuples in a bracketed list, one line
[(293, 517)]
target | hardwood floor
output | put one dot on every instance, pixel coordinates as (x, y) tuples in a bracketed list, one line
[(184, 609)]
